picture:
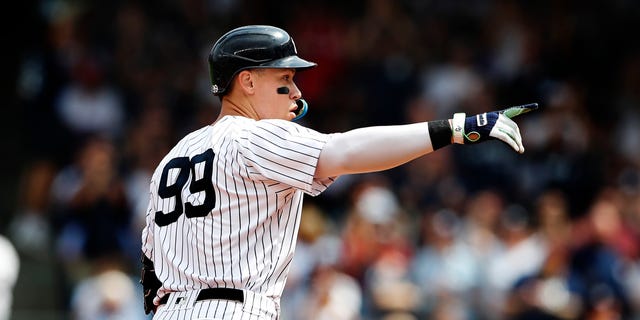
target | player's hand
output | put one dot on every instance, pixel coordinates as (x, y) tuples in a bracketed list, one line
[(491, 125)]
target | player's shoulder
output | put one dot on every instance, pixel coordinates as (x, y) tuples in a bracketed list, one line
[(195, 135), (190, 143), (240, 120), (245, 125)]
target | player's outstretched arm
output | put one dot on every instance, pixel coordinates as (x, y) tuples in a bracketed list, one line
[(384, 147)]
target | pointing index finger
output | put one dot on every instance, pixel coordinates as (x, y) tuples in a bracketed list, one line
[(514, 111)]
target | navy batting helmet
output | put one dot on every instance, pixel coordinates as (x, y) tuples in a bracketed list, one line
[(248, 47)]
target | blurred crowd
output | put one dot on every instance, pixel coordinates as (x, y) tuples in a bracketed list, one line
[(469, 233)]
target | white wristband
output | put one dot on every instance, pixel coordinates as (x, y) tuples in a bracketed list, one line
[(458, 127)]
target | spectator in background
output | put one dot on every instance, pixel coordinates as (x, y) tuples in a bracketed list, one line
[(89, 105), (596, 261), (91, 208), (377, 242), (108, 294), (546, 291), (319, 289), (480, 222), (32, 233), (30, 228), (521, 254), (333, 295), (148, 141), (478, 230), (389, 290), (630, 210), (553, 218), (316, 287), (546, 294), (564, 149), (452, 83), (380, 48), (429, 182), (444, 269), (371, 213), (626, 135)]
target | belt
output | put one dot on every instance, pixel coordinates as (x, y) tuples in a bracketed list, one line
[(214, 293)]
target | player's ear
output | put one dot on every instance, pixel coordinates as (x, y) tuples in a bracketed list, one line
[(245, 80)]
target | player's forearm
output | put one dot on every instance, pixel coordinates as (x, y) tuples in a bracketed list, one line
[(374, 149)]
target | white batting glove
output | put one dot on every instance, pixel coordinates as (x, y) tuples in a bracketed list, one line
[(490, 125)]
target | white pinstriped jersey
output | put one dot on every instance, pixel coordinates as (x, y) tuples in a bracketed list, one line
[(225, 205)]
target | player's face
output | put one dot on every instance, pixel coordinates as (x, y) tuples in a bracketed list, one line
[(271, 104)]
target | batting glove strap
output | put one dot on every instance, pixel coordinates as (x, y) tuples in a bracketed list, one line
[(458, 126)]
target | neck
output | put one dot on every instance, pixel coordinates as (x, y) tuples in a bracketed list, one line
[(230, 107)]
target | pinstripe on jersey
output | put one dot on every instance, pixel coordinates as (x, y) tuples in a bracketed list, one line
[(259, 171)]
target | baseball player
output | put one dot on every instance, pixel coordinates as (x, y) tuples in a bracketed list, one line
[(225, 202)]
